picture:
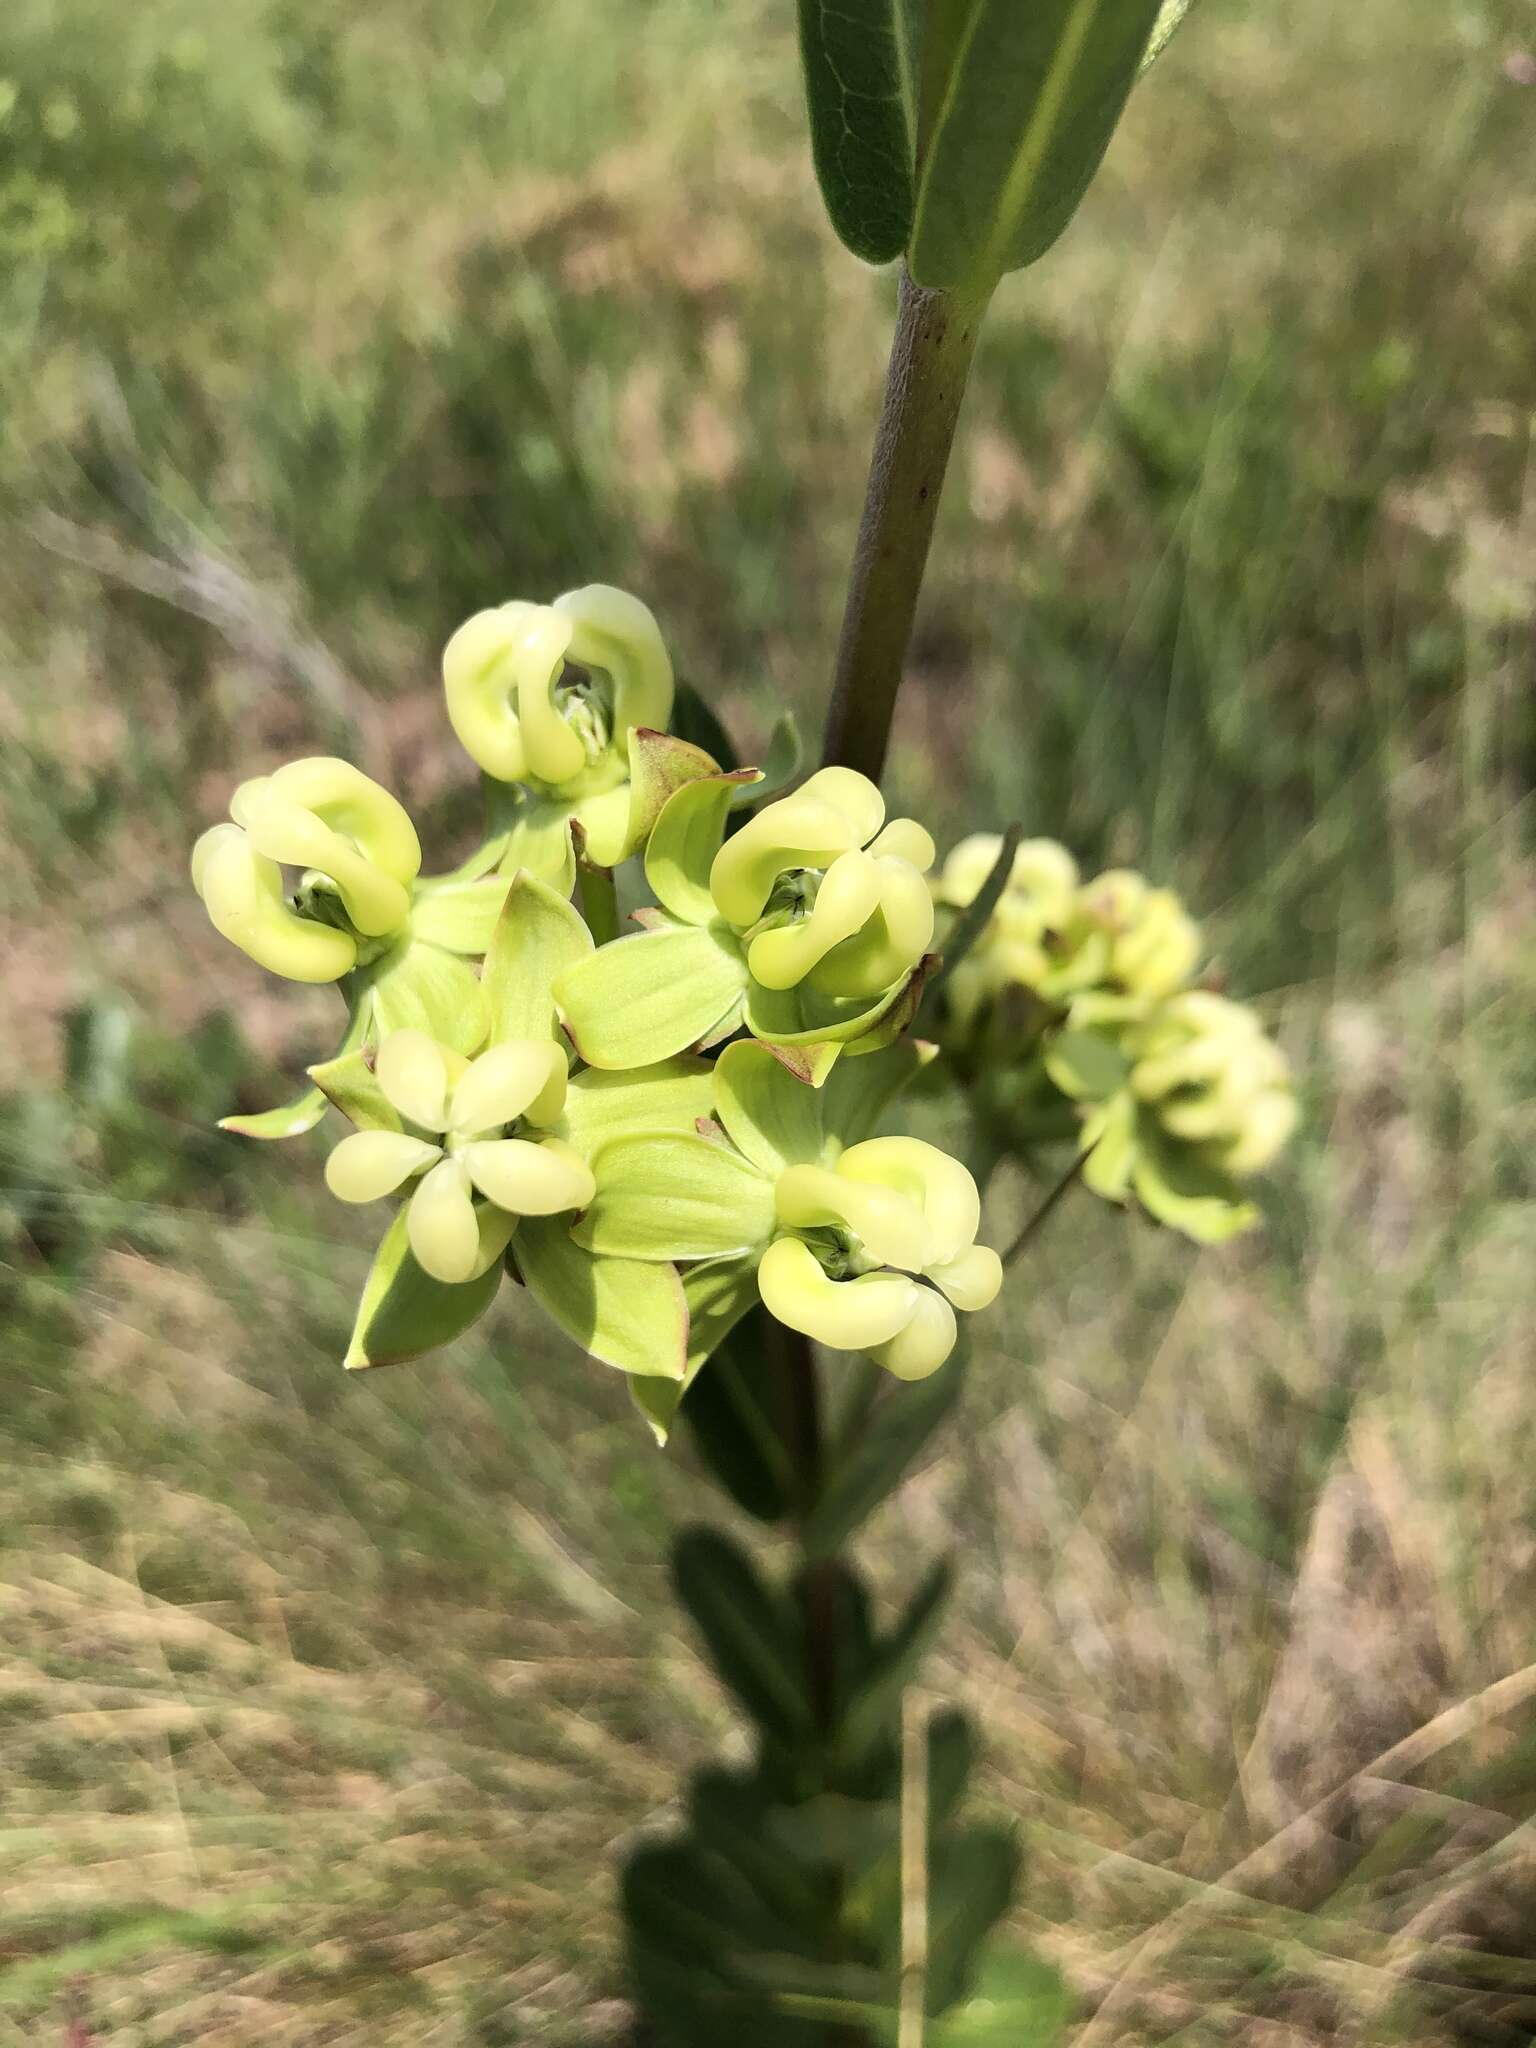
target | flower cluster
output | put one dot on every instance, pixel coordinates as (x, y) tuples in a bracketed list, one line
[(653, 1134), (1074, 1015)]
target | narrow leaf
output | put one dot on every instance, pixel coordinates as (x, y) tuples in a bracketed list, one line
[(896, 1660), (731, 1412), (860, 64), (1032, 101), (780, 764), (748, 1630), (977, 915)]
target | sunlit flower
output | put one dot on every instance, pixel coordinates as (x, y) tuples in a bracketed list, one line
[(807, 925), (462, 1135)]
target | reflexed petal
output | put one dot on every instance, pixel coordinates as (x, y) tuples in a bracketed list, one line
[(459, 916), (849, 893), (906, 840), (412, 1069), (418, 987), (887, 1222), (772, 1117), (950, 1201), (972, 1279), (604, 822), (684, 842), (524, 1077), (646, 998), (243, 895), (528, 1179), (967, 867), (848, 1315), (405, 1312), (370, 1164), (630, 1315), (441, 1224), (1266, 1130), (675, 1195), (670, 1096), (539, 935), (923, 1345)]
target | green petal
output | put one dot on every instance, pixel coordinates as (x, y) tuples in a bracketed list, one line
[(685, 839), (719, 1293), (350, 1082), (772, 1116), (671, 1096), (405, 1312), (459, 916), (646, 998), (418, 987), (1087, 1065), (539, 935), (290, 1121), (621, 1311), (676, 1196), (540, 841), (1189, 1196), (660, 764), (800, 1016), (1109, 1143)]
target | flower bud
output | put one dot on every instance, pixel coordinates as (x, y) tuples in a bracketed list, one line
[(356, 845), (1143, 941), (548, 694)]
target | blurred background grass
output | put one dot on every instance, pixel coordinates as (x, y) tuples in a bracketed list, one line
[(325, 1703)]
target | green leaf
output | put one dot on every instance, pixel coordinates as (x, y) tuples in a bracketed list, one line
[(1177, 1187), (458, 914), (951, 1759), (861, 64), (780, 764), (903, 1420), (352, 1085), (685, 839), (290, 1121), (1109, 1148), (719, 1292), (673, 1195), (1170, 19), (538, 935), (976, 916), (1087, 1065), (670, 1096), (749, 1630), (417, 987), (732, 1412), (404, 1311), (972, 1875), (645, 998), (771, 1115), (621, 1312), (1032, 100), (874, 1706)]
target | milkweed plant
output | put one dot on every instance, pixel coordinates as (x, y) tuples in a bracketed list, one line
[(675, 1134)]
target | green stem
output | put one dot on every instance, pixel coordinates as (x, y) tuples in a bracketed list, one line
[(925, 383), (599, 902)]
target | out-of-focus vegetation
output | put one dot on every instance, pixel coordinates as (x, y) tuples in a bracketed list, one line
[(326, 1701)]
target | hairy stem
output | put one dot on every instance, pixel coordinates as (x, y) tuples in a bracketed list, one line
[(930, 361)]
